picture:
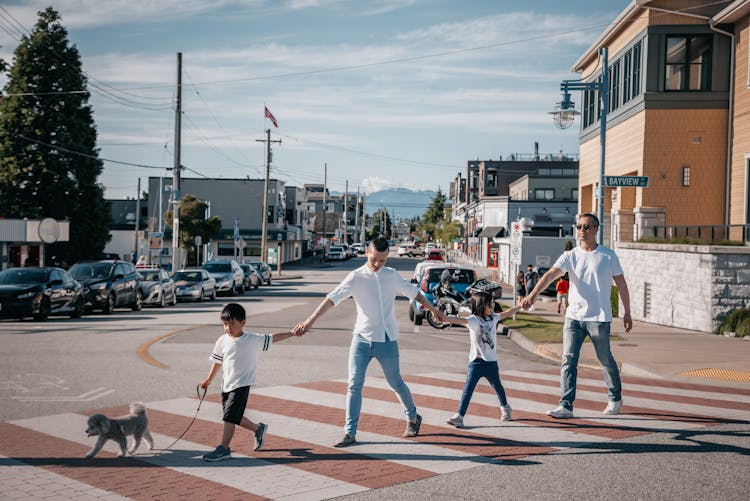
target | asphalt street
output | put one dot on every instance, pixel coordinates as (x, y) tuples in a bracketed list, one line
[(67, 367)]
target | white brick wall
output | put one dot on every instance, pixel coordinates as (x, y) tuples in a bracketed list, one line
[(692, 286)]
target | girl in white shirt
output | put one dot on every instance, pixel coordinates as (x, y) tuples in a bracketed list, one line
[(482, 326)]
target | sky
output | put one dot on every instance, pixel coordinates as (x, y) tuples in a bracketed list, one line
[(386, 93)]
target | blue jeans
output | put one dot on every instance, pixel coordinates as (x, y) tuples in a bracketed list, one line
[(574, 333), (477, 370), (361, 353)]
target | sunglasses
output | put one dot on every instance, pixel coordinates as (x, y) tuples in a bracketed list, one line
[(585, 227)]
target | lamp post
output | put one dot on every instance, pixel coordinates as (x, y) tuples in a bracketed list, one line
[(565, 113)]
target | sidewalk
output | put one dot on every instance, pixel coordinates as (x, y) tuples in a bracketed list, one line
[(652, 350)]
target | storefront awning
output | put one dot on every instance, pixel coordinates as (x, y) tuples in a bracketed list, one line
[(492, 232)]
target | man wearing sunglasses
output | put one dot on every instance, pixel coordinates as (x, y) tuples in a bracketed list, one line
[(591, 269)]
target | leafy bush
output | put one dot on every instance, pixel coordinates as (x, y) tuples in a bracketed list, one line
[(743, 327), (614, 300), (733, 320)]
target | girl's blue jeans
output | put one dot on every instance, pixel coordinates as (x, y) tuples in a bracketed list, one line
[(478, 369)]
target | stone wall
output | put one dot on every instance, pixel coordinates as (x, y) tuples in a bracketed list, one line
[(687, 286)]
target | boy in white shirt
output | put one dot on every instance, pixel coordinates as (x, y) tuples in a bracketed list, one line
[(236, 353)]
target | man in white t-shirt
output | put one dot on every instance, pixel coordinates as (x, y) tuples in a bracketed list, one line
[(591, 269), (374, 288)]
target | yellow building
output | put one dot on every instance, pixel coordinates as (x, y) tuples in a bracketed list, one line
[(678, 113)]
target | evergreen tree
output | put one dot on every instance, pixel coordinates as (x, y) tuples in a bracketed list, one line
[(434, 217), (193, 223), (49, 162)]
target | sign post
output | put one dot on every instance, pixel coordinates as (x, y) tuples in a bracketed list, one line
[(516, 244)]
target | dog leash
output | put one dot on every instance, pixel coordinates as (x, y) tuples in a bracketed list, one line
[(200, 402)]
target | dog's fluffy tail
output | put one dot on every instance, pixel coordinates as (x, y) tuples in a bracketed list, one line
[(137, 408)]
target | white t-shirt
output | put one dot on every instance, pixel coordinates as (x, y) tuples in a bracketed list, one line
[(375, 294), (590, 275), (483, 336), (238, 357)]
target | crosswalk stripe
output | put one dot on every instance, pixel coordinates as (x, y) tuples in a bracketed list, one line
[(187, 460), (660, 386), (17, 476), (298, 460), (595, 400), (524, 409), (42, 442)]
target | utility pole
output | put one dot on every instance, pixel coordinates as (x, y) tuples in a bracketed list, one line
[(364, 217), (325, 205), (346, 211), (356, 217), (176, 168), (264, 222), (137, 219)]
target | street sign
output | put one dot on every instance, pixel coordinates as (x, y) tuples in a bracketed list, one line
[(626, 181), (516, 236)]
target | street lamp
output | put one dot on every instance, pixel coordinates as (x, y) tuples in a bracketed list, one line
[(565, 113)]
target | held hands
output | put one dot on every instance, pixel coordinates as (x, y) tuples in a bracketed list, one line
[(527, 302), (301, 328)]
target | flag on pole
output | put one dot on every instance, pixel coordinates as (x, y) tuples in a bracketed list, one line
[(270, 116)]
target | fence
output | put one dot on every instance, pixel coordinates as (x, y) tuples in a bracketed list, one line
[(707, 233)]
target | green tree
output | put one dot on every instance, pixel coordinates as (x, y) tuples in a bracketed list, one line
[(378, 229), (49, 162), (193, 223), (434, 217)]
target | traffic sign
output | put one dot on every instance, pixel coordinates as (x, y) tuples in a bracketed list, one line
[(626, 181), (516, 236)]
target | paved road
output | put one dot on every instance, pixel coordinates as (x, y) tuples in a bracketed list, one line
[(674, 440)]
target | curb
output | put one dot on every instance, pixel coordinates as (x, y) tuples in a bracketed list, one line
[(544, 352), (286, 277)]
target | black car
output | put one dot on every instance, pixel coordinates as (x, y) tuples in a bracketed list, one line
[(39, 292), (109, 284)]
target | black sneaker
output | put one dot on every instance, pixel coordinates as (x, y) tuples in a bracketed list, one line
[(412, 429), (260, 434), (346, 441), (218, 454)]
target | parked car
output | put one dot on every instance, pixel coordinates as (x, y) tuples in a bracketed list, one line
[(358, 248), (461, 278), (194, 284), (336, 253), (410, 249), (157, 287), (39, 292), (252, 277), (432, 258), (228, 275), (109, 284), (265, 271)]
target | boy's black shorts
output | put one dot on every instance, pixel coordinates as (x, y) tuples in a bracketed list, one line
[(234, 403)]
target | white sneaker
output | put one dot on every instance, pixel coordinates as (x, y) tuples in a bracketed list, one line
[(457, 420), (613, 408), (560, 412), (505, 413)]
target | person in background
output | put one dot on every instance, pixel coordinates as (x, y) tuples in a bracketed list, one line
[(562, 287)]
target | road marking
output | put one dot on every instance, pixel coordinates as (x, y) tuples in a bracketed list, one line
[(298, 460), (89, 396)]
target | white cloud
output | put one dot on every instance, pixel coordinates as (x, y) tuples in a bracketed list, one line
[(373, 183)]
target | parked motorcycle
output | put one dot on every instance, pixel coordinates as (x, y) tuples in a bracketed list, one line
[(452, 303)]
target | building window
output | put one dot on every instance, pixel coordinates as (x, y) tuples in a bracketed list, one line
[(574, 193), (627, 77), (688, 63), (636, 79), (544, 193), (613, 74), (685, 176)]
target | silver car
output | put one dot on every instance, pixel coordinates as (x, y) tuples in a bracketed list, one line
[(157, 287), (230, 279), (194, 284)]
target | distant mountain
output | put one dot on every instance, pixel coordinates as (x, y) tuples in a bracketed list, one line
[(401, 203)]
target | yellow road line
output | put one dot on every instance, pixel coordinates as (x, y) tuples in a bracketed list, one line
[(143, 350)]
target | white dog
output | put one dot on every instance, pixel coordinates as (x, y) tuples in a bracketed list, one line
[(135, 423)]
